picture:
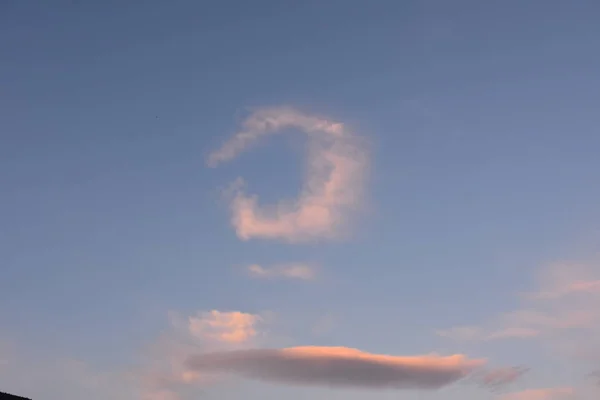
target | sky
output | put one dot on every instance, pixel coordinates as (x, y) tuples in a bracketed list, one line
[(333, 199)]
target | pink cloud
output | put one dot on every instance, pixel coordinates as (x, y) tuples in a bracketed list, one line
[(288, 271), (233, 327), (337, 367), (332, 189)]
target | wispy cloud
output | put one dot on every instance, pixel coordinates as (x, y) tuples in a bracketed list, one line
[(542, 394), (514, 333), (297, 271), (566, 281), (337, 366), (472, 333), (563, 307), (497, 378), (333, 188)]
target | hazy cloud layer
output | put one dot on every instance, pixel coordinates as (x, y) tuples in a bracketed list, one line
[(298, 271), (333, 187), (542, 394), (337, 367)]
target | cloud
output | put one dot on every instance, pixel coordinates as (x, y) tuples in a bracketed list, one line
[(163, 374), (288, 271), (232, 327), (542, 394), (515, 333), (562, 310), (497, 378), (545, 320), (563, 280), (571, 288), (333, 186), (337, 367), (474, 333)]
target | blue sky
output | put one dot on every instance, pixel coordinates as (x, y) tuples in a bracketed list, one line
[(477, 129)]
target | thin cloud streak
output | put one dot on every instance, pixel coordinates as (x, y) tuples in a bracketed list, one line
[(474, 333), (497, 378), (333, 186), (297, 271), (337, 367)]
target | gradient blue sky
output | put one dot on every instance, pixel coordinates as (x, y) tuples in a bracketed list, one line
[(482, 126)]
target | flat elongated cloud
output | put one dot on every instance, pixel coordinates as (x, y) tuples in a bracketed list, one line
[(332, 189), (337, 367), (542, 394), (287, 271)]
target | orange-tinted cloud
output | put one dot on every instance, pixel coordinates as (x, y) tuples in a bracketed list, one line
[(333, 186), (297, 271), (542, 394), (337, 366)]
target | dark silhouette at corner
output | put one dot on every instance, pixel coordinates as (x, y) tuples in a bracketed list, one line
[(6, 396)]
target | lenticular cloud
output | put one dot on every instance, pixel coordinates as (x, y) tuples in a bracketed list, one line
[(337, 367), (332, 189)]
